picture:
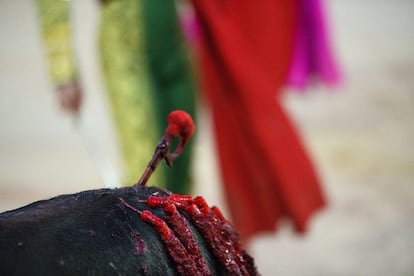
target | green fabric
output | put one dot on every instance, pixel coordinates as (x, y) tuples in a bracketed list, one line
[(171, 78), (55, 28), (147, 75), (124, 66)]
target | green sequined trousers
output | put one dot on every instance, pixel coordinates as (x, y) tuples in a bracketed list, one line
[(147, 75), (124, 66)]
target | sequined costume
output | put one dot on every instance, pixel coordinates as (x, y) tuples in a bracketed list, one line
[(146, 73)]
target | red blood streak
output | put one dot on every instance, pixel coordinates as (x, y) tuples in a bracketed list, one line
[(213, 238), (139, 242), (202, 205), (181, 228), (180, 200), (230, 238), (154, 201), (180, 242), (162, 228), (185, 264), (218, 213)]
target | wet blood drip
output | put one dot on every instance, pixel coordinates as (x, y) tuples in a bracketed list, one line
[(227, 233), (160, 226), (177, 251), (218, 213), (221, 237), (229, 238), (154, 201), (177, 200), (185, 264), (244, 259), (201, 203), (251, 268), (180, 200), (181, 228), (213, 237)]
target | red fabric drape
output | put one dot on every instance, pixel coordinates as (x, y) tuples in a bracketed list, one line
[(245, 53)]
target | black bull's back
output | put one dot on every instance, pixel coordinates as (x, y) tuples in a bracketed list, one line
[(89, 233)]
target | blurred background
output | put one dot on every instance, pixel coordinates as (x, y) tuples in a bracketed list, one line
[(360, 137)]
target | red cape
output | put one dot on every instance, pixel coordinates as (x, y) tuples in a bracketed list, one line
[(245, 56)]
